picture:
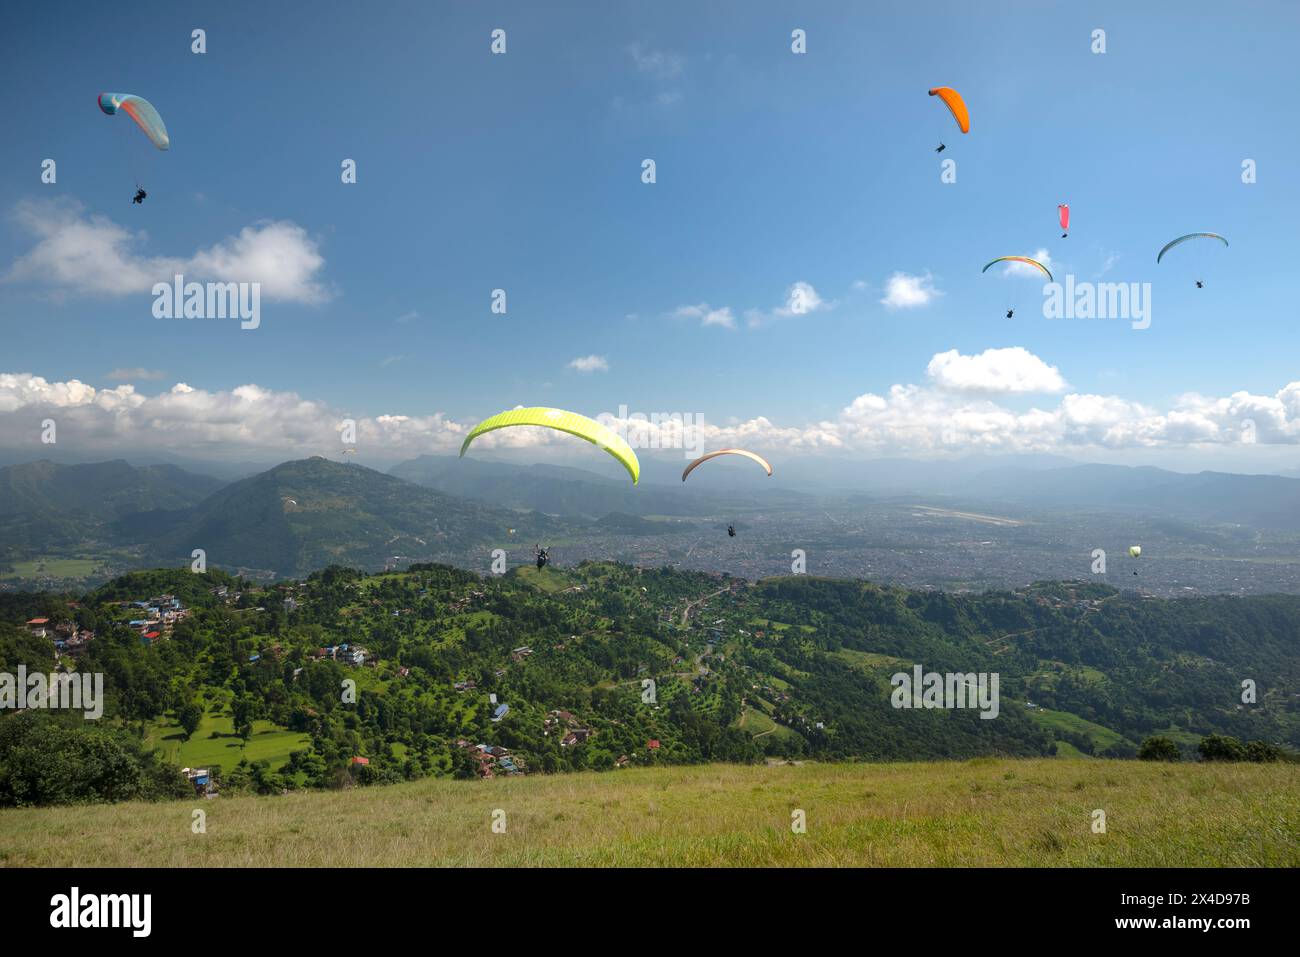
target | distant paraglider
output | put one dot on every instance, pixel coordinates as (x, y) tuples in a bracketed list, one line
[(940, 148), (1011, 313), (139, 197), (956, 105), (570, 422), (1182, 239), (1063, 214), (1135, 551), (731, 531), (1020, 259), (543, 555), (713, 455)]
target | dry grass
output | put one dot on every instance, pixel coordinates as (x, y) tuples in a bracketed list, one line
[(983, 812)]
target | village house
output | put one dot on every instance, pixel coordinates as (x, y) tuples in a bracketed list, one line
[(38, 627), (576, 736), (201, 781)]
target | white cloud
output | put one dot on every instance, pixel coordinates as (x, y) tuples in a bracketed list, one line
[(800, 300), (657, 63), (904, 291), (707, 315), (903, 419), (590, 364), (993, 371), (124, 375), (92, 255)]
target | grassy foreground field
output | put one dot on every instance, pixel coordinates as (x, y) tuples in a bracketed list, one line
[(988, 812)]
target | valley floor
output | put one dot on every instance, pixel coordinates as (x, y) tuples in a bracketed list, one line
[(985, 812)]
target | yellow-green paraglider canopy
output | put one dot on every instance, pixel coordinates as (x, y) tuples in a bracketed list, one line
[(562, 421)]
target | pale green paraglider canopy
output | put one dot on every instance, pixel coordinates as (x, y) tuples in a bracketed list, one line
[(1182, 239), (1134, 551), (570, 422), (140, 110)]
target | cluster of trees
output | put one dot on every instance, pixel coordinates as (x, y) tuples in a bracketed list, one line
[(1132, 665), (253, 656), (1213, 747)]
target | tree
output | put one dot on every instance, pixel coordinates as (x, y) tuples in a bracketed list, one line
[(1159, 748), (1220, 747), (189, 715), (1262, 751)]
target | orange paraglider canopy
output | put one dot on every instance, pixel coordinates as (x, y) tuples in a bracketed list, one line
[(952, 99)]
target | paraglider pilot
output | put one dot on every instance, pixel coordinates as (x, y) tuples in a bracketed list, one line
[(140, 194), (1010, 313), (543, 555), (940, 148), (731, 531)]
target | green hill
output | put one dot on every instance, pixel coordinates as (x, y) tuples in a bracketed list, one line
[(304, 515), (596, 662)]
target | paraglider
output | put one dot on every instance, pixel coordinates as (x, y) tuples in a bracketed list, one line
[(146, 118), (956, 105), (570, 422), (543, 556), (940, 148), (1011, 313), (140, 110), (731, 531), (1020, 259), (1134, 551), (1182, 239), (713, 455), (1063, 213), (1199, 284)]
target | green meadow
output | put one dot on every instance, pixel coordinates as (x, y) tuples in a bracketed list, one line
[(215, 742), (983, 812)]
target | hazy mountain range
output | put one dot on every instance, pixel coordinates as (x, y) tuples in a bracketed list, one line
[(302, 515)]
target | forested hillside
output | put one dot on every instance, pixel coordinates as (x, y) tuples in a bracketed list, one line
[(346, 678)]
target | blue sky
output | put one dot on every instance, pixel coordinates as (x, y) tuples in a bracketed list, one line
[(522, 171)]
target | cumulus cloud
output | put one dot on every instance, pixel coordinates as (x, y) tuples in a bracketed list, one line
[(904, 291), (707, 315), (957, 409), (91, 255), (590, 364), (800, 300), (993, 371)]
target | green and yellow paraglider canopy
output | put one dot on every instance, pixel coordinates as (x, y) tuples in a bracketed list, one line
[(1021, 259), (562, 421)]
